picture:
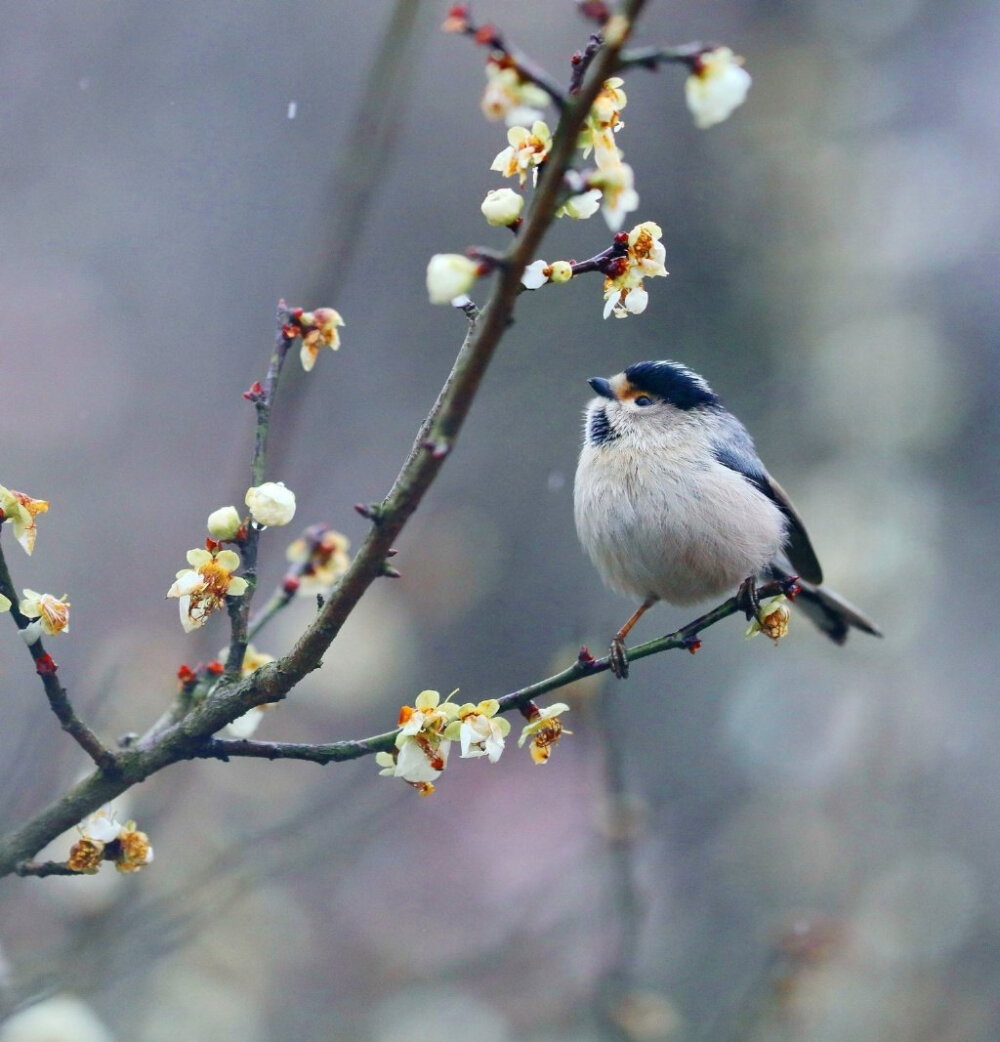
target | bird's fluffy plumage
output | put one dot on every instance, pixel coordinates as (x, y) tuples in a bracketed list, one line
[(672, 501)]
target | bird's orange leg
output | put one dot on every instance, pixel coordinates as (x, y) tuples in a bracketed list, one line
[(618, 655)]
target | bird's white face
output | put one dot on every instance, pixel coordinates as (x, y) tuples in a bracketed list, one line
[(624, 407)]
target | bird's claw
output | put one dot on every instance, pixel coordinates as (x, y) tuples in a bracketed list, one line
[(618, 659), (747, 600)]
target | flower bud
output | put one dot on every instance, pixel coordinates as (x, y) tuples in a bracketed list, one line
[(271, 504), (224, 523), (449, 275), (561, 271), (502, 207)]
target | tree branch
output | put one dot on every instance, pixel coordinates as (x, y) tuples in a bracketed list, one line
[(58, 697), (232, 697), (686, 638)]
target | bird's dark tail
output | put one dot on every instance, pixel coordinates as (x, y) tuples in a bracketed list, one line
[(834, 615)]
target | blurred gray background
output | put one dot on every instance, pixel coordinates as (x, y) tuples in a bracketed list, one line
[(790, 843)]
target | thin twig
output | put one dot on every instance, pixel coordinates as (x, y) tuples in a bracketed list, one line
[(263, 402), (58, 697), (41, 869), (652, 57), (585, 665)]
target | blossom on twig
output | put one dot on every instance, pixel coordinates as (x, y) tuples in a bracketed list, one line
[(271, 504), (224, 523), (718, 85), (51, 615), (624, 293), (480, 731), (618, 194), (527, 150), (502, 207), (204, 587), (581, 206), (544, 728), (21, 510), (244, 726), (603, 122), (103, 837), (320, 328), (450, 275), (510, 97), (421, 746), (324, 556), (771, 619)]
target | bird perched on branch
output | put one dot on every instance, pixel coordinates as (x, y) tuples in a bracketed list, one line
[(673, 503)]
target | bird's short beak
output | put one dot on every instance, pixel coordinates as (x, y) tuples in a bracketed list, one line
[(601, 387)]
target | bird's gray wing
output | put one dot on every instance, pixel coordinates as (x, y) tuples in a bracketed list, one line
[(738, 454)]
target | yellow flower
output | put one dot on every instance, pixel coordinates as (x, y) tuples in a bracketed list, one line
[(85, 856), (244, 726), (327, 558), (134, 849), (5, 603), (480, 731), (21, 510), (771, 619), (52, 614), (544, 729), (624, 293), (603, 122), (204, 587), (716, 87), (527, 149), (618, 194), (319, 330), (422, 745), (510, 98)]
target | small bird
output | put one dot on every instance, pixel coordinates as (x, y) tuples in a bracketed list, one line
[(673, 503)]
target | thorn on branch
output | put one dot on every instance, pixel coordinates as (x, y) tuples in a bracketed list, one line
[(389, 572), (373, 512), (437, 449)]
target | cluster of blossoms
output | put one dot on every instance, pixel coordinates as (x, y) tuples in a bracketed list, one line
[(49, 614), (428, 728), (771, 619), (717, 84), (104, 838), (203, 587)]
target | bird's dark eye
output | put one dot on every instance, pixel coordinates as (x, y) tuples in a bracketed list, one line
[(643, 399)]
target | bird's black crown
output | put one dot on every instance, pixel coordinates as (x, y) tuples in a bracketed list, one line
[(673, 382)]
